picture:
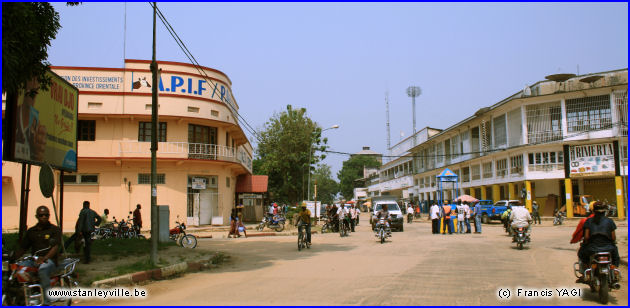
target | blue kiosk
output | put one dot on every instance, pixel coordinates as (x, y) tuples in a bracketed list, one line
[(447, 176)]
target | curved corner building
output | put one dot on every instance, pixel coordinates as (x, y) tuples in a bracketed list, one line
[(202, 150)]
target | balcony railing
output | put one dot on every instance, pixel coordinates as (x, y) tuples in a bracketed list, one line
[(187, 150)]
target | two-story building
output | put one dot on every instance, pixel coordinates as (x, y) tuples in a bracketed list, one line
[(202, 149), (515, 149)]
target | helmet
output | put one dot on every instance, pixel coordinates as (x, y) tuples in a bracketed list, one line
[(599, 207)]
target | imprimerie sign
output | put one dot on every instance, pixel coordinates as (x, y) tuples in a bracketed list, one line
[(592, 159)]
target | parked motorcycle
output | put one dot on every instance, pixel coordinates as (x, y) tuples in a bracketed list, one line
[(275, 223), (381, 231), (599, 275), (20, 282), (559, 218), (178, 234), (521, 237)]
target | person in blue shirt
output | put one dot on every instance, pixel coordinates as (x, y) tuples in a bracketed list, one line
[(477, 213)]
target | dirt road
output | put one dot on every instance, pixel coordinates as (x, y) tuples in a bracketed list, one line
[(413, 268)]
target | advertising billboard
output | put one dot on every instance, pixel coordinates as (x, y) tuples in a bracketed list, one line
[(591, 159), (44, 127)]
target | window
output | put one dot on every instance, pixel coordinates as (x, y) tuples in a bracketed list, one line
[(447, 150), (464, 142), (145, 178), (474, 141), (621, 109), (80, 179), (515, 129), (202, 141), (516, 165), (439, 153), (545, 161), (487, 170), (455, 146), (144, 132), (466, 174), (544, 122), (486, 136), (588, 113), (501, 166), (475, 172), (500, 136), (87, 130)]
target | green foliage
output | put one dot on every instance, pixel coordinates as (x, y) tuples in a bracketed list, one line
[(283, 153), (327, 188), (352, 170), (27, 30)]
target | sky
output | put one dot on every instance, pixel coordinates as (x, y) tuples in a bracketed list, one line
[(338, 60)]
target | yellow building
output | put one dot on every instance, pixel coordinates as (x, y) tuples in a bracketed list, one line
[(202, 150)]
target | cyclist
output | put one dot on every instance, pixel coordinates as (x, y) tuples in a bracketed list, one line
[(304, 218)]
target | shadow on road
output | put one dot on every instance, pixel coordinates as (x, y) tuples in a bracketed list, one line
[(593, 297)]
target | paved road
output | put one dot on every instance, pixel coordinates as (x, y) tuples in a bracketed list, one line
[(413, 268)]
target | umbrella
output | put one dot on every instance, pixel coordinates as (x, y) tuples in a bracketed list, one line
[(351, 202), (466, 198)]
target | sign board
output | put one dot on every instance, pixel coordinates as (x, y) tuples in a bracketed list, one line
[(314, 208), (198, 183), (250, 196), (591, 159), (44, 126)]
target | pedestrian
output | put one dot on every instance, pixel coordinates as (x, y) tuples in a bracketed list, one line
[(467, 212), (478, 217), (418, 215), (137, 217), (239, 221), (447, 222), (233, 224), (435, 219), (358, 215), (88, 219), (535, 213), (104, 220), (461, 217)]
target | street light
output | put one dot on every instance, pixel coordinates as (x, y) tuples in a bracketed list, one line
[(310, 155)]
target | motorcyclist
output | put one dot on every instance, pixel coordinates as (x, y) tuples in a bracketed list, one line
[(384, 213), (599, 236), (409, 210), (505, 218), (334, 218), (304, 218), (39, 237), (342, 216), (520, 218)]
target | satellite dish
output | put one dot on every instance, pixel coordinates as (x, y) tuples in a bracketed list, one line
[(560, 77), (482, 111), (46, 181), (527, 91), (590, 79)]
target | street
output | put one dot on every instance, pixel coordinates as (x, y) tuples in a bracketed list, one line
[(412, 268)]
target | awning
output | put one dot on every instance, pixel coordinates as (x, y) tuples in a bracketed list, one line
[(252, 184)]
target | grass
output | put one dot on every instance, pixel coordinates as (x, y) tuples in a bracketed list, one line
[(138, 266)]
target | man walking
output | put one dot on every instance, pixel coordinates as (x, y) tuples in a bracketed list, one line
[(535, 214), (447, 218), (137, 217), (478, 217), (88, 219), (435, 219), (467, 213), (461, 216)]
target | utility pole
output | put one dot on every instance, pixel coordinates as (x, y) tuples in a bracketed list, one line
[(154, 147)]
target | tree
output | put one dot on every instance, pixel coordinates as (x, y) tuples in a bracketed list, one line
[(327, 188), (27, 30), (283, 153), (352, 170)]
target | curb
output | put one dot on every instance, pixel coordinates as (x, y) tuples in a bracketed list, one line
[(155, 274)]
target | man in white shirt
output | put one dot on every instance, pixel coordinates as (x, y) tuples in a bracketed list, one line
[(467, 216), (409, 211), (520, 217), (461, 216), (435, 218), (341, 213), (353, 217)]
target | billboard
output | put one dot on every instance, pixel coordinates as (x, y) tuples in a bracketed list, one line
[(591, 159), (44, 127)]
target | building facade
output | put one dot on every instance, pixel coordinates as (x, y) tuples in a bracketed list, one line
[(202, 149), (515, 149)]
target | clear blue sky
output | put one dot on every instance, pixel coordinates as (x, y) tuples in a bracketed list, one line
[(338, 59)]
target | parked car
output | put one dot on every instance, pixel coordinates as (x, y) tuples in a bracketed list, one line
[(491, 211), (392, 207)]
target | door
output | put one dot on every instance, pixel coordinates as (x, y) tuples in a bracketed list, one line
[(205, 208)]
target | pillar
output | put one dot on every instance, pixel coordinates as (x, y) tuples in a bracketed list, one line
[(512, 192), (619, 194), (472, 192), (568, 189), (529, 195), (484, 194), (496, 193)]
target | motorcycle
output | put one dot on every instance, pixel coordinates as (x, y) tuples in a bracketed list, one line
[(276, 223), (327, 226), (381, 231), (20, 282), (521, 237), (409, 218), (178, 234), (599, 275), (302, 243), (344, 227), (559, 218)]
